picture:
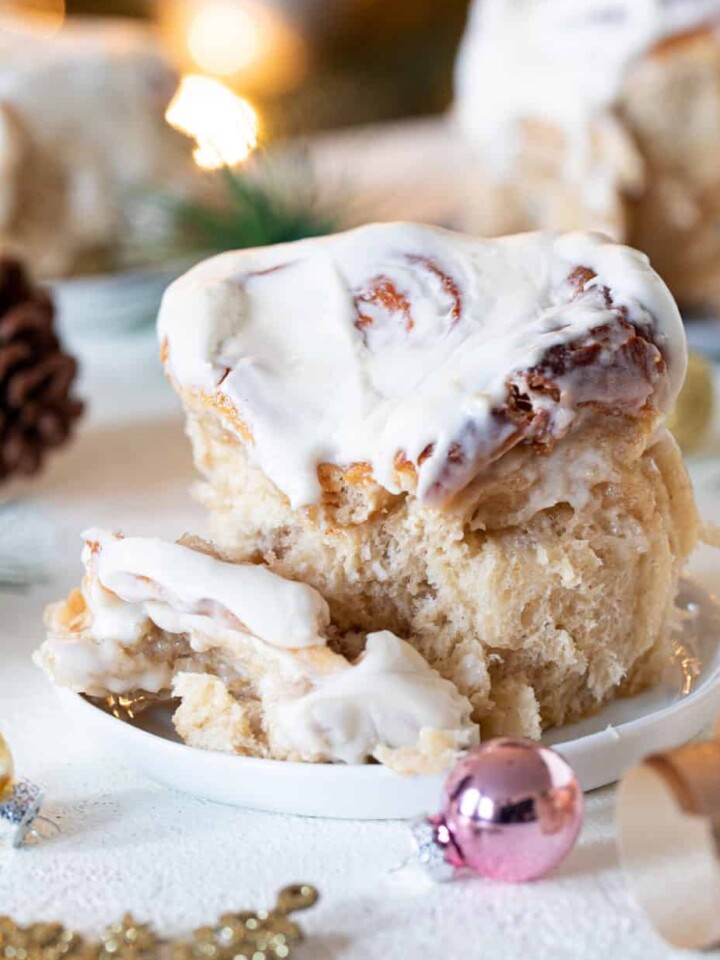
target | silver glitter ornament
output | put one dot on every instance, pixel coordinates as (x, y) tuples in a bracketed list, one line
[(22, 811)]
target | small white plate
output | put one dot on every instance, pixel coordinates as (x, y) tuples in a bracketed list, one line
[(599, 748)]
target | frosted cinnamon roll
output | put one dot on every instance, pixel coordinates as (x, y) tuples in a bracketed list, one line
[(248, 655), (628, 147), (456, 440)]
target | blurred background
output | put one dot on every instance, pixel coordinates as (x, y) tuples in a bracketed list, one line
[(139, 136), (114, 114), (311, 64)]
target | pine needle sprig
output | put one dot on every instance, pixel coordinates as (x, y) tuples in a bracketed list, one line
[(256, 207)]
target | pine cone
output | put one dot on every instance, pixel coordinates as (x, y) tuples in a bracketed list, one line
[(37, 409)]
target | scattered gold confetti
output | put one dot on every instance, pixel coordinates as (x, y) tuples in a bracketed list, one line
[(41, 941), (264, 935), (129, 940)]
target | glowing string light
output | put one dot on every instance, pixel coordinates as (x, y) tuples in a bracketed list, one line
[(223, 125)]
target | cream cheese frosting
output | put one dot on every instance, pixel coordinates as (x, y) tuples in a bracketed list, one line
[(386, 699), (399, 343), (148, 575), (563, 61), (264, 630)]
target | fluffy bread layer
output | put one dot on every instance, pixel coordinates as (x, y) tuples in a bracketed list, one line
[(546, 591)]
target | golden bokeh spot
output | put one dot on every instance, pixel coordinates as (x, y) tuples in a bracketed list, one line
[(223, 125), (40, 18), (224, 38)]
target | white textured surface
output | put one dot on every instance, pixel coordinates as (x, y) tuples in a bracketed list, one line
[(127, 844)]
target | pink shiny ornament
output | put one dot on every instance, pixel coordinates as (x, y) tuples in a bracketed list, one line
[(512, 811)]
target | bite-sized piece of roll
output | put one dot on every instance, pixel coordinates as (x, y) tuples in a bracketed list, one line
[(247, 653), (457, 440), (628, 145)]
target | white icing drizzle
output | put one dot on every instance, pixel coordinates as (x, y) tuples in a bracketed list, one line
[(146, 576), (386, 699), (316, 704), (400, 339), (563, 61)]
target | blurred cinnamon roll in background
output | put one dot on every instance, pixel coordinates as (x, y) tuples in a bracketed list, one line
[(82, 137), (599, 114)]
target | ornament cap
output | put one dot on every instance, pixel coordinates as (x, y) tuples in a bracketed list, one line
[(21, 809), (430, 852)]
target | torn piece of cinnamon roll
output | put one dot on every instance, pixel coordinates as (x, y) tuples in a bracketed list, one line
[(247, 653)]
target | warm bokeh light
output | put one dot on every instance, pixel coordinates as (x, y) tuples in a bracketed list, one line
[(40, 18), (224, 38), (223, 125), (251, 46)]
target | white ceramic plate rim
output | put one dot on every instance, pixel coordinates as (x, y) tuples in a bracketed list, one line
[(372, 792), (706, 695)]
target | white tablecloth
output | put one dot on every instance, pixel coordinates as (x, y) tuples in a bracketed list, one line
[(127, 844)]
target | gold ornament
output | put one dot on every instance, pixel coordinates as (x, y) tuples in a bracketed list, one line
[(265, 935), (7, 770), (693, 412)]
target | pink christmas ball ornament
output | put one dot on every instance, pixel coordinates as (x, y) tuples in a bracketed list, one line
[(512, 811)]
